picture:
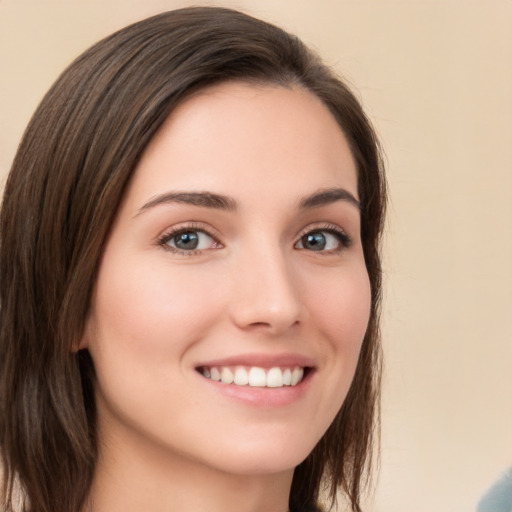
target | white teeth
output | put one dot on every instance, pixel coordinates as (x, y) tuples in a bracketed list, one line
[(241, 376), (275, 378), (297, 375), (255, 376), (226, 375)]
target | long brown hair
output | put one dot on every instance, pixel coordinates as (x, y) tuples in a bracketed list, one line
[(64, 188)]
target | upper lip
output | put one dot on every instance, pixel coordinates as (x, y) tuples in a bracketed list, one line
[(261, 360)]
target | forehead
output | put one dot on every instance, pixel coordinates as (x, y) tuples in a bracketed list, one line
[(237, 138)]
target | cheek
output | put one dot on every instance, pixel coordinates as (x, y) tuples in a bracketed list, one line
[(148, 311), (342, 307), (145, 318)]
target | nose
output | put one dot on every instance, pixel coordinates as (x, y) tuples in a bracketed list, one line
[(267, 294)]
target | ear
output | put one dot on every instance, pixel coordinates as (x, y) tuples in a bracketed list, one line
[(81, 344), (84, 341)]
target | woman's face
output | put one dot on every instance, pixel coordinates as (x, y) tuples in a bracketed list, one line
[(235, 255)]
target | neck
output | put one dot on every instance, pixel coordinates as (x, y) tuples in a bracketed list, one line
[(138, 477)]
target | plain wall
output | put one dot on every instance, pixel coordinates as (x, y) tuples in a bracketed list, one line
[(436, 78)]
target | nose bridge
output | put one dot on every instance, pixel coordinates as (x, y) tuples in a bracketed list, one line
[(267, 290)]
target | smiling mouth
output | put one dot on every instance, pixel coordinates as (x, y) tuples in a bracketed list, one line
[(255, 376)]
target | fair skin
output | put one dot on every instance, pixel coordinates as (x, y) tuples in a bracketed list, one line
[(235, 254)]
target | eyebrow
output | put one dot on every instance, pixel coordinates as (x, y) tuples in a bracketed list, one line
[(203, 199), (328, 196), (221, 202)]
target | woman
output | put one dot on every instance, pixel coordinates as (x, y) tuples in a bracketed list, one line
[(190, 277)]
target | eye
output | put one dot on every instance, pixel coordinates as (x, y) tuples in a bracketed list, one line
[(188, 240), (325, 240)]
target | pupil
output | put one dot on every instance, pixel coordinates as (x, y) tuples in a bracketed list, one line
[(188, 240), (314, 241)]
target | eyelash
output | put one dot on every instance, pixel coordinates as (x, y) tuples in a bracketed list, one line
[(192, 227), (344, 239)]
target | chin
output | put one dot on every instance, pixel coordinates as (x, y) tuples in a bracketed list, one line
[(271, 455)]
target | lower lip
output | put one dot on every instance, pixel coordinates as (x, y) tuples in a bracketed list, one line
[(263, 397)]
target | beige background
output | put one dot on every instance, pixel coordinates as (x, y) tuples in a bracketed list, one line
[(436, 77)]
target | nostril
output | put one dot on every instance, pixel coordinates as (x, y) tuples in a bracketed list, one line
[(260, 324), (276, 325)]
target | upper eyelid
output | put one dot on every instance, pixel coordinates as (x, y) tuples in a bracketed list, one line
[(215, 235), (345, 239), (323, 226), (188, 226), (165, 236)]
